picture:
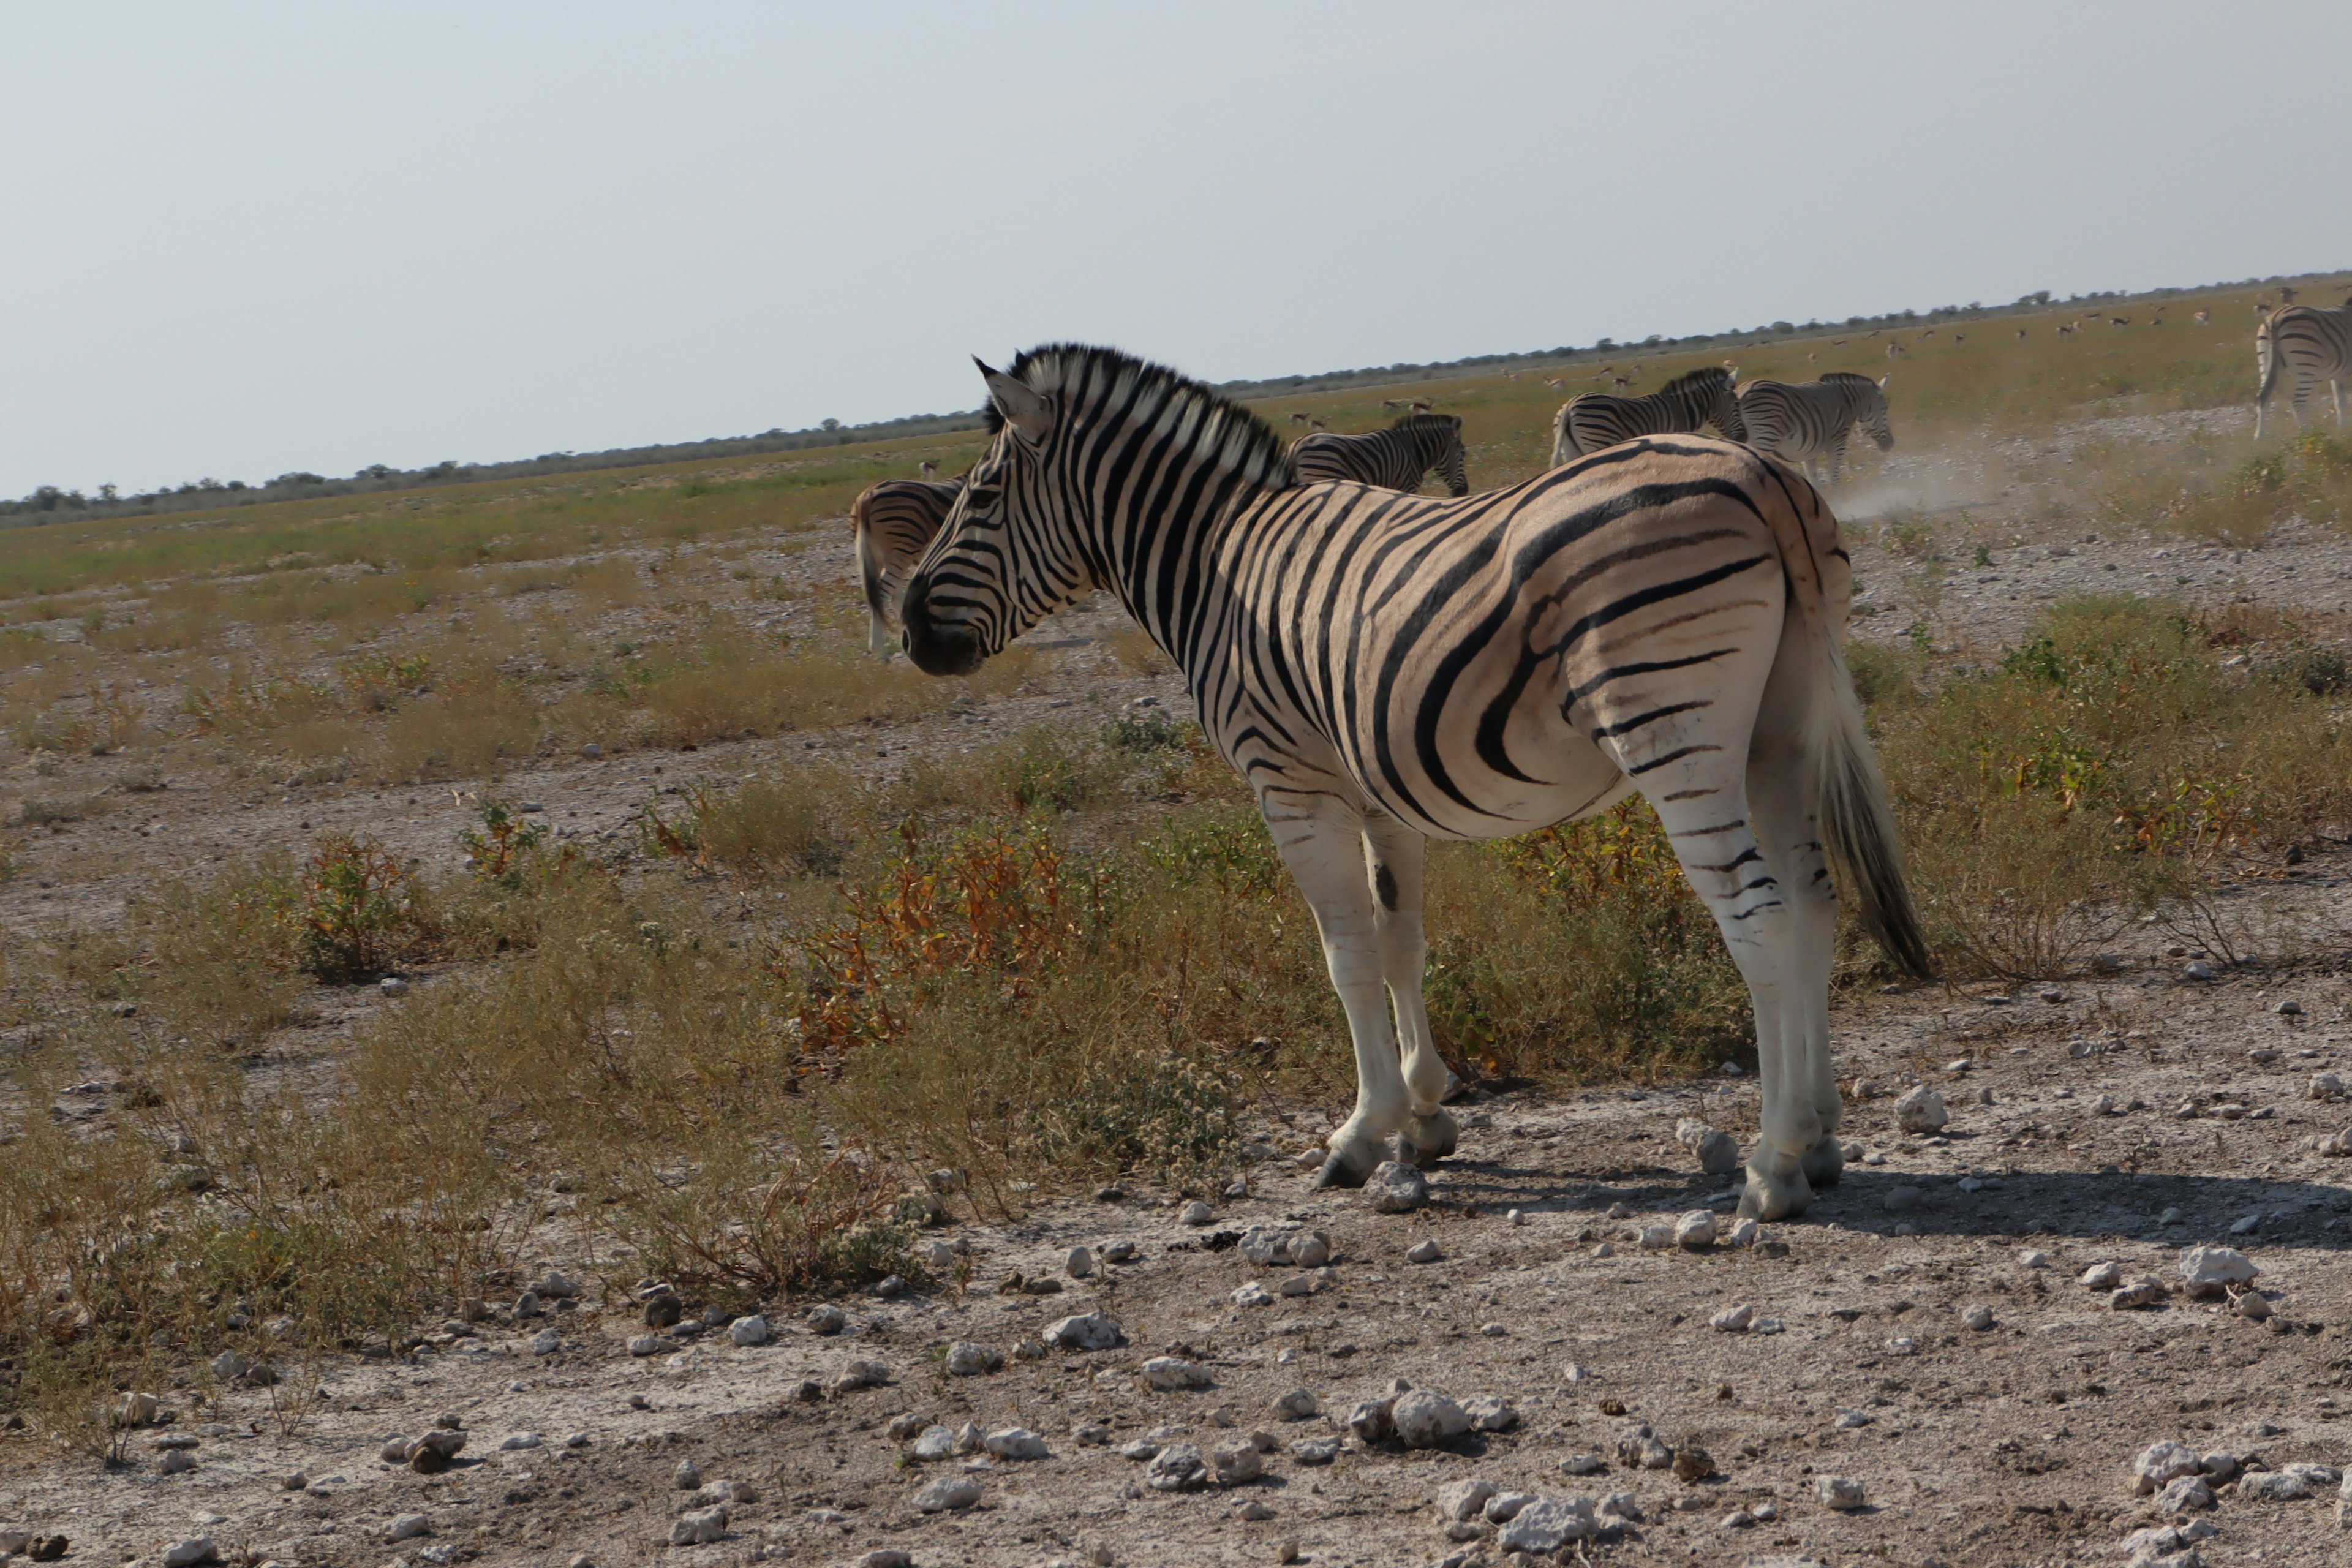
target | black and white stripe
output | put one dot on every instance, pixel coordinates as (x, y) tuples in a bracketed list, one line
[(1394, 459), (1663, 616), (1802, 422), (895, 521), (1593, 420), (2313, 344)]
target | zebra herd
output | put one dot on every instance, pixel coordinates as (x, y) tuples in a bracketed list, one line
[(1665, 615)]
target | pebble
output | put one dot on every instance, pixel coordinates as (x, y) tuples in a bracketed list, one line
[(947, 1494), (547, 1342), (1395, 1188), (1424, 1252), (1922, 1109), (826, 1320), (1086, 1331), (1078, 1262), (2158, 1464), (1744, 1232), (1718, 1151), (2325, 1086), (1316, 1450), (1979, 1318), (2102, 1275), (407, 1527), (1840, 1492), (1170, 1374), (1488, 1414), (751, 1331), (2033, 1258), (1581, 1465), (934, 1443), (189, 1553), (1505, 1507), (175, 1461), (1547, 1525), (1238, 1462), (2290, 1009), (2184, 1494), (1179, 1467), (965, 1359), (1254, 1512), (517, 1441), (1197, 1212), (393, 985), (1423, 1418), (1903, 1200), (1694, 1231), (2208, 1271), (1298, 1405), (1119, 1252), (1851, 1420), (2252, 1306), (1140, 1449), (1732, 1320), (1015, 1443), (1251, 1293), (1464, 1499), (2274, 1486), (885, 1557), (1654, 1238)]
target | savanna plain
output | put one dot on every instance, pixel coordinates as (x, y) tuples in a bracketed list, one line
[(524, 1043)]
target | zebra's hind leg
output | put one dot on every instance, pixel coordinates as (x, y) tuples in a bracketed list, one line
[(877, 634), (1319, 837), (1392, 863), (1788, 829)]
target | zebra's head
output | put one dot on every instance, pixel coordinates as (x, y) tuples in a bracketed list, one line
[(1006, 557), (1874, 418), (1437, 440)]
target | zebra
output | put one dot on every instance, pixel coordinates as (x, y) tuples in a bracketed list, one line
[(893, 523), (1665, 616), (1394, 459), (2315, 343), (1593, 420), (1809, 420)]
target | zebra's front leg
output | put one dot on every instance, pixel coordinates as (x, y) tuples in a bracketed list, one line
[(877, 634), (1320, 844), (1392, 861)]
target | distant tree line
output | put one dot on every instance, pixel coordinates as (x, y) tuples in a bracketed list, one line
[(50, 504)]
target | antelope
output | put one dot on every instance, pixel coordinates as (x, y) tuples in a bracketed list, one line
[(928, 471), (1318, 424), (1301, 418), (2203, 318)]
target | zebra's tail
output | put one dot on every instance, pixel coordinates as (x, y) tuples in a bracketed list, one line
[(2267, 359), (1857, 824), (869, 574)]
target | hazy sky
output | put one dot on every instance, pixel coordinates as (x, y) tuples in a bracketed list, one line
[(244, 239)]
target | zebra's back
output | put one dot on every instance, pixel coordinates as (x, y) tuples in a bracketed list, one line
[(2313, 341), (893, 523)]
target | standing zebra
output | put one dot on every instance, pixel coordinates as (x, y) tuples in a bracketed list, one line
[(1394, 459), (1806, 421), (1593, 420), (894, 522), (2315, 343), (1665, 615)]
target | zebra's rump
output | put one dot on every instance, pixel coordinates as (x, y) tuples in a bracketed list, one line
[(2314, 341), (1484, 666)]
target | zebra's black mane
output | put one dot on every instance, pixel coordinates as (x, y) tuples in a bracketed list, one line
[(1249, 443), (1439, 422), (1705, 375)]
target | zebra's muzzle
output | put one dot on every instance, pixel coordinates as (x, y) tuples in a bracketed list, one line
[(934, 648)]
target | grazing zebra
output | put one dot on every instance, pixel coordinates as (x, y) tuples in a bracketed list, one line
[(1394, 459), (1809, 420), (894, 521), (1595, 419), (2315, 344), (1667, 617)]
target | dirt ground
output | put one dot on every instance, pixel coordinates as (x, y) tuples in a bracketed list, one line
[(2120, 1119)]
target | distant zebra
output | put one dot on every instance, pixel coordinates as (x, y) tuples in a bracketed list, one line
[(1803, 422), (894, 522), (1394, 459), (1596, 419), (1664, 617), (2312, 342)]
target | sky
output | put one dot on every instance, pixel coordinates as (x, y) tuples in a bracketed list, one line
[(248, 239)]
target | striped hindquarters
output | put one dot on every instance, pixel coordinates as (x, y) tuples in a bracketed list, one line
[(2309, 343), (894, 522), (1394, 459)]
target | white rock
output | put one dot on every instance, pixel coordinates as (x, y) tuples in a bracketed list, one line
[(2208, 1271), (1505, 1507), (557, 1285), (1695, 1231), (1312, 1250), (1298, 1285), (2183, 1494), (1170, 1374), (189, 1553), (1395, 1188), (1178, 1468), (1767, 1326), (947, 1494), (407, 1527), (642, 1344), (1078, 1262), (1547, 1525), (1373, 1421), (1488, 1414), (137, 1410), (1251, 1293), (1084, 1332), (1840, 1492), (547, 1342), (2274, 1486), (1424, 1252), (1197, 1212), (966, 1359), (1237, 1463), (1298, 1405), (517, 1441), (1581, 1465), (2159, 1463), (2032, 1259), (2325, 1086), (1744, 1232), (935, 1443), (1015, 1443), (2102, 1275), (1922, 1110), (1463, 1500), (1423, 1419), (177, 1461), (1654, 1238), (751, 1331), (1140, 1449), (1119, 1252), (229, 1367), (1979, 1318), (1732, 1320), (1718, 1151), (1625, 1506), (935, 1256)]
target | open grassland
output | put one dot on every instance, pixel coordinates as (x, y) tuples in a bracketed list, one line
[(704, 1016)]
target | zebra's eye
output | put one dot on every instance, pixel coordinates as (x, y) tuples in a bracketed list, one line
[(984, 498)]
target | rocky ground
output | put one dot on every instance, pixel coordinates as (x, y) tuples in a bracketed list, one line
[(1916, 1373)]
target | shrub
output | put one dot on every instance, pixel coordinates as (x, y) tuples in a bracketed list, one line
[(353, 911)]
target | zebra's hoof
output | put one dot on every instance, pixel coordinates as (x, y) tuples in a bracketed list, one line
[(1773, 1197), (1823, 1164), (1429, 1140), (1338, 1172)]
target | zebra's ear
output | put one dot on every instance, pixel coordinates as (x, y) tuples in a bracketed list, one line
[(1882, 383), (1024, 407)]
